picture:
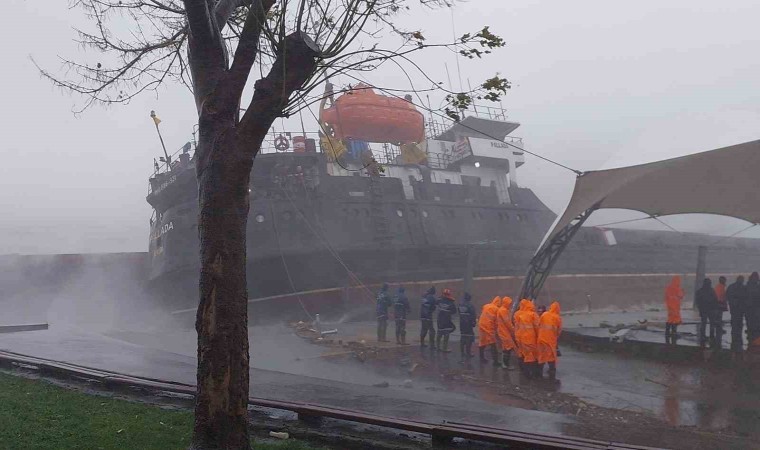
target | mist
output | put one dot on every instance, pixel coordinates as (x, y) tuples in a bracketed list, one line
[(595, 85)]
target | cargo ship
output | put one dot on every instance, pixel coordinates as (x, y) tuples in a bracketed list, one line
[(381, 193)]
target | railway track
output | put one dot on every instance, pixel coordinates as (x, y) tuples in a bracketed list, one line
[(440, 433)]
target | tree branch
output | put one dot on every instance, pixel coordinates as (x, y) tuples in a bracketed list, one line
[(247, 49), (206, 51), (295, 64), (224, 9)]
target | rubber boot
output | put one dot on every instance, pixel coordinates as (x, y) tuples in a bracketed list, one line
[(437, 345), (468, 347), (495, 355), (462, 352), (537, 370), (403, 338), (505, 359), (482, 351), (445, 348), (552, 371)]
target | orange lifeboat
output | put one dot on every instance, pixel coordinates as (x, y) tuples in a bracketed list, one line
[(364, 115)]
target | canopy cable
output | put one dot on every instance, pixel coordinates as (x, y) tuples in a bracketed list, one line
[(621, 222), (733, 235), (577, 172), (284, 263)]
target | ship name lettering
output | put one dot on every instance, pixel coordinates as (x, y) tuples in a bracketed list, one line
[(166, 183)]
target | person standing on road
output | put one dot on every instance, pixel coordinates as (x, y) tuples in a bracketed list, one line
[(506, 331), (487, 329), (400, 310), (708, 306), (383, 304), (752, 310), (549, 329), (526, 335), (466, 327), (736, 295), (673, 296), (446, 310), (426, 317)]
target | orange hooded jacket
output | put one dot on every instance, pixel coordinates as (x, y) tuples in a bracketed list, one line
[(487, 322), (549, 329), (504, 324), (673, 296), (526, 330)]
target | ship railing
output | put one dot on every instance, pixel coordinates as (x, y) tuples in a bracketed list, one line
[(487, 112), (439, 160), (516, 141), (175, 162), (273, 138)]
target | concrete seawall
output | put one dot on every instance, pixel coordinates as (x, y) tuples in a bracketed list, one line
[(607, 291)]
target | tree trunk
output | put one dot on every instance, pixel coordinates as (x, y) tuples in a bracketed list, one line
[(221, 322)]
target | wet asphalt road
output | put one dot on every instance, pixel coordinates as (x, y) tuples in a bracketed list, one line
[(170, 356), (704, 396), (285, 367)]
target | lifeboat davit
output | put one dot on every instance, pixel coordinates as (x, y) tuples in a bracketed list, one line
[(364, 115)]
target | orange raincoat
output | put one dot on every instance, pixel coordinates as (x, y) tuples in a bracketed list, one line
[(487, 323), (526, 330), (504, 324), (673, 296), (549, 328)]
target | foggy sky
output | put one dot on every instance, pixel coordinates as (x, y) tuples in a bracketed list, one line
[(597, 84)]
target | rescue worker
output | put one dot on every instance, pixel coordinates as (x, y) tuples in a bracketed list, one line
[(446, 309), (400, 309), (540, 310), (426, 317), (487, 329), (526, 335), (752, 310), (549, 329), (673, 296), (466, 326), (736, 295), (383, 303), (720, 292), (707, 303), (506, 331)]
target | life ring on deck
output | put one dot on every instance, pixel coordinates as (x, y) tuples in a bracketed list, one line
[(281, 143)]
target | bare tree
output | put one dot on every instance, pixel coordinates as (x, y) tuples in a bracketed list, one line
[(212, 46)]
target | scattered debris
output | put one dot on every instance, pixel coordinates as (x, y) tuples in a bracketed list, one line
[(279, 434), (384, 384), (407, 384), (655, 382)]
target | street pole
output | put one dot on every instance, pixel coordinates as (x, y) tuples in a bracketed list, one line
[(469, 269), (156, 121)]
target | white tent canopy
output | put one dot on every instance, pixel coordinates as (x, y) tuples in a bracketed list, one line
[(725, 182)]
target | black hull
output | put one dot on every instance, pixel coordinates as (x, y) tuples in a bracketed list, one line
[(315, 270), (349, 228)]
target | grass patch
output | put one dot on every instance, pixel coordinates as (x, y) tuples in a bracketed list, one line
[(39, 415)]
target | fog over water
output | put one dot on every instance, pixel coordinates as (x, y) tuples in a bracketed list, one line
[(596, 84)]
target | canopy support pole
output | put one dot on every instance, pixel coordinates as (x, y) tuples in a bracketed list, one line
[(543, 261)]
